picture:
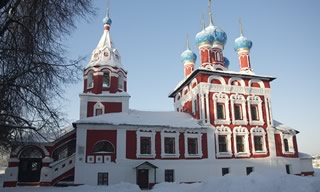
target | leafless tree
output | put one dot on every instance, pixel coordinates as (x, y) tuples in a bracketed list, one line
[(33, 65)]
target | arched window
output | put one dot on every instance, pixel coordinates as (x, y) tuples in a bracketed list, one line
[(120, 81), (106, 79), (31, 153), (90, 80), (103, 147)]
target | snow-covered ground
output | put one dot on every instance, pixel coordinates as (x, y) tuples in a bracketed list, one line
[(271, 182)]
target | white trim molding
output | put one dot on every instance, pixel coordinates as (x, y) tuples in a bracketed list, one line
[(146, 132), (239, 100), (196, 134), (241, 131), (224, 131), (258, 131), (96, 106), (170, 133), (289, 138), (255, 100), (221, 98)]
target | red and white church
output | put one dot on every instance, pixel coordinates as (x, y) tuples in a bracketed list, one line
[(222, 124)]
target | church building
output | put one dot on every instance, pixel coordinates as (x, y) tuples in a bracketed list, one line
[(222, 124)]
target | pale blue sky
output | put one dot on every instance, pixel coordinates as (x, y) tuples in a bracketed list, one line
[(150, 36)]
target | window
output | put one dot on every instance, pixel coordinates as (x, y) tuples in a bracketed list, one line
[(98, 112), (238, 112), (288, 169), (169, 145), (103, 147), (102, 178), (220, 111), (169, 175), (249, 170), (192, 146), (222, 143), (106, 79), (145, 145), (90, 80), (98, 109), (258, 140), (258, 143), (120, 81), (240, 143), (286, 145), (221, 106), (225, 171), (254, 112)]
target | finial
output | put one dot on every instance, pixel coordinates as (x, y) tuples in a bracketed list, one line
[(108, 6), (203, 23), (241, 27), (210, 13), (188, 46)]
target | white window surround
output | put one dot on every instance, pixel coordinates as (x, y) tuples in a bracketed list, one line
[(241, 131), (173, 134), (261, 84), (239, 100), (109, 75), (96, 106), (258, 131), (221, 98), (255, 100), (193, 134), (219, 78), (289, 137), (222, 130), (90, 81), (146, 132), (120, 81)]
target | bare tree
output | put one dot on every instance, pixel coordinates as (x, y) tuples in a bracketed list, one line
[(33, 64)]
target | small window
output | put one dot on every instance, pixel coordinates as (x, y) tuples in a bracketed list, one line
[(106, 79), (99, 112), (288, 169), (102, 178), (120, 81), (225, 171), (254, 112), (103, 147), (192, 146), (240, 143), (195, 105), (249, 170), (222, 143), (258, 143), (220, 111), (145, 145), (90, 80), (286, 144), (238, 112), (169, 175), (169, 145)]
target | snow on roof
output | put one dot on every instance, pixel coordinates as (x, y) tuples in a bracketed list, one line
[(305, 156), (145, 118), (284, 128)]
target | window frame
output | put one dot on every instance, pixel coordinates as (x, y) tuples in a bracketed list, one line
[(170, 133), (223, 131), (193, 134), (145, 132), (120, 81), (221, 98), (289, 137), (101, 177), (104, 78), (145, 148), (255, 101), (258, 131), (103, 152), (169, 175), (238, 100), (243, 132), (225, 171), (90, 80), (98, 106)]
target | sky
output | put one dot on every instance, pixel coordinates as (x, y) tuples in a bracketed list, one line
[(151, 34)]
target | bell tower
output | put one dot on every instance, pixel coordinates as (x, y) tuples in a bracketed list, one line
[(105, 79)]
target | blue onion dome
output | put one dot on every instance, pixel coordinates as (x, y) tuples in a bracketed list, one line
[(203, 37), (218, 35), (226, 62), (107, 20), (188, 56), (242, 43)]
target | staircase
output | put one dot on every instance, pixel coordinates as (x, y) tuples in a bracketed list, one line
[(62, 169)]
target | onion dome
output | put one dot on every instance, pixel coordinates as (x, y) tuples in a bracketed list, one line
[(107, 20), (188, 55), (226, 62), (203, 37), (242, 43), (218, 35)]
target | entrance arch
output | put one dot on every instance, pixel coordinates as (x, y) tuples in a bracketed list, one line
[(30, 165)]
